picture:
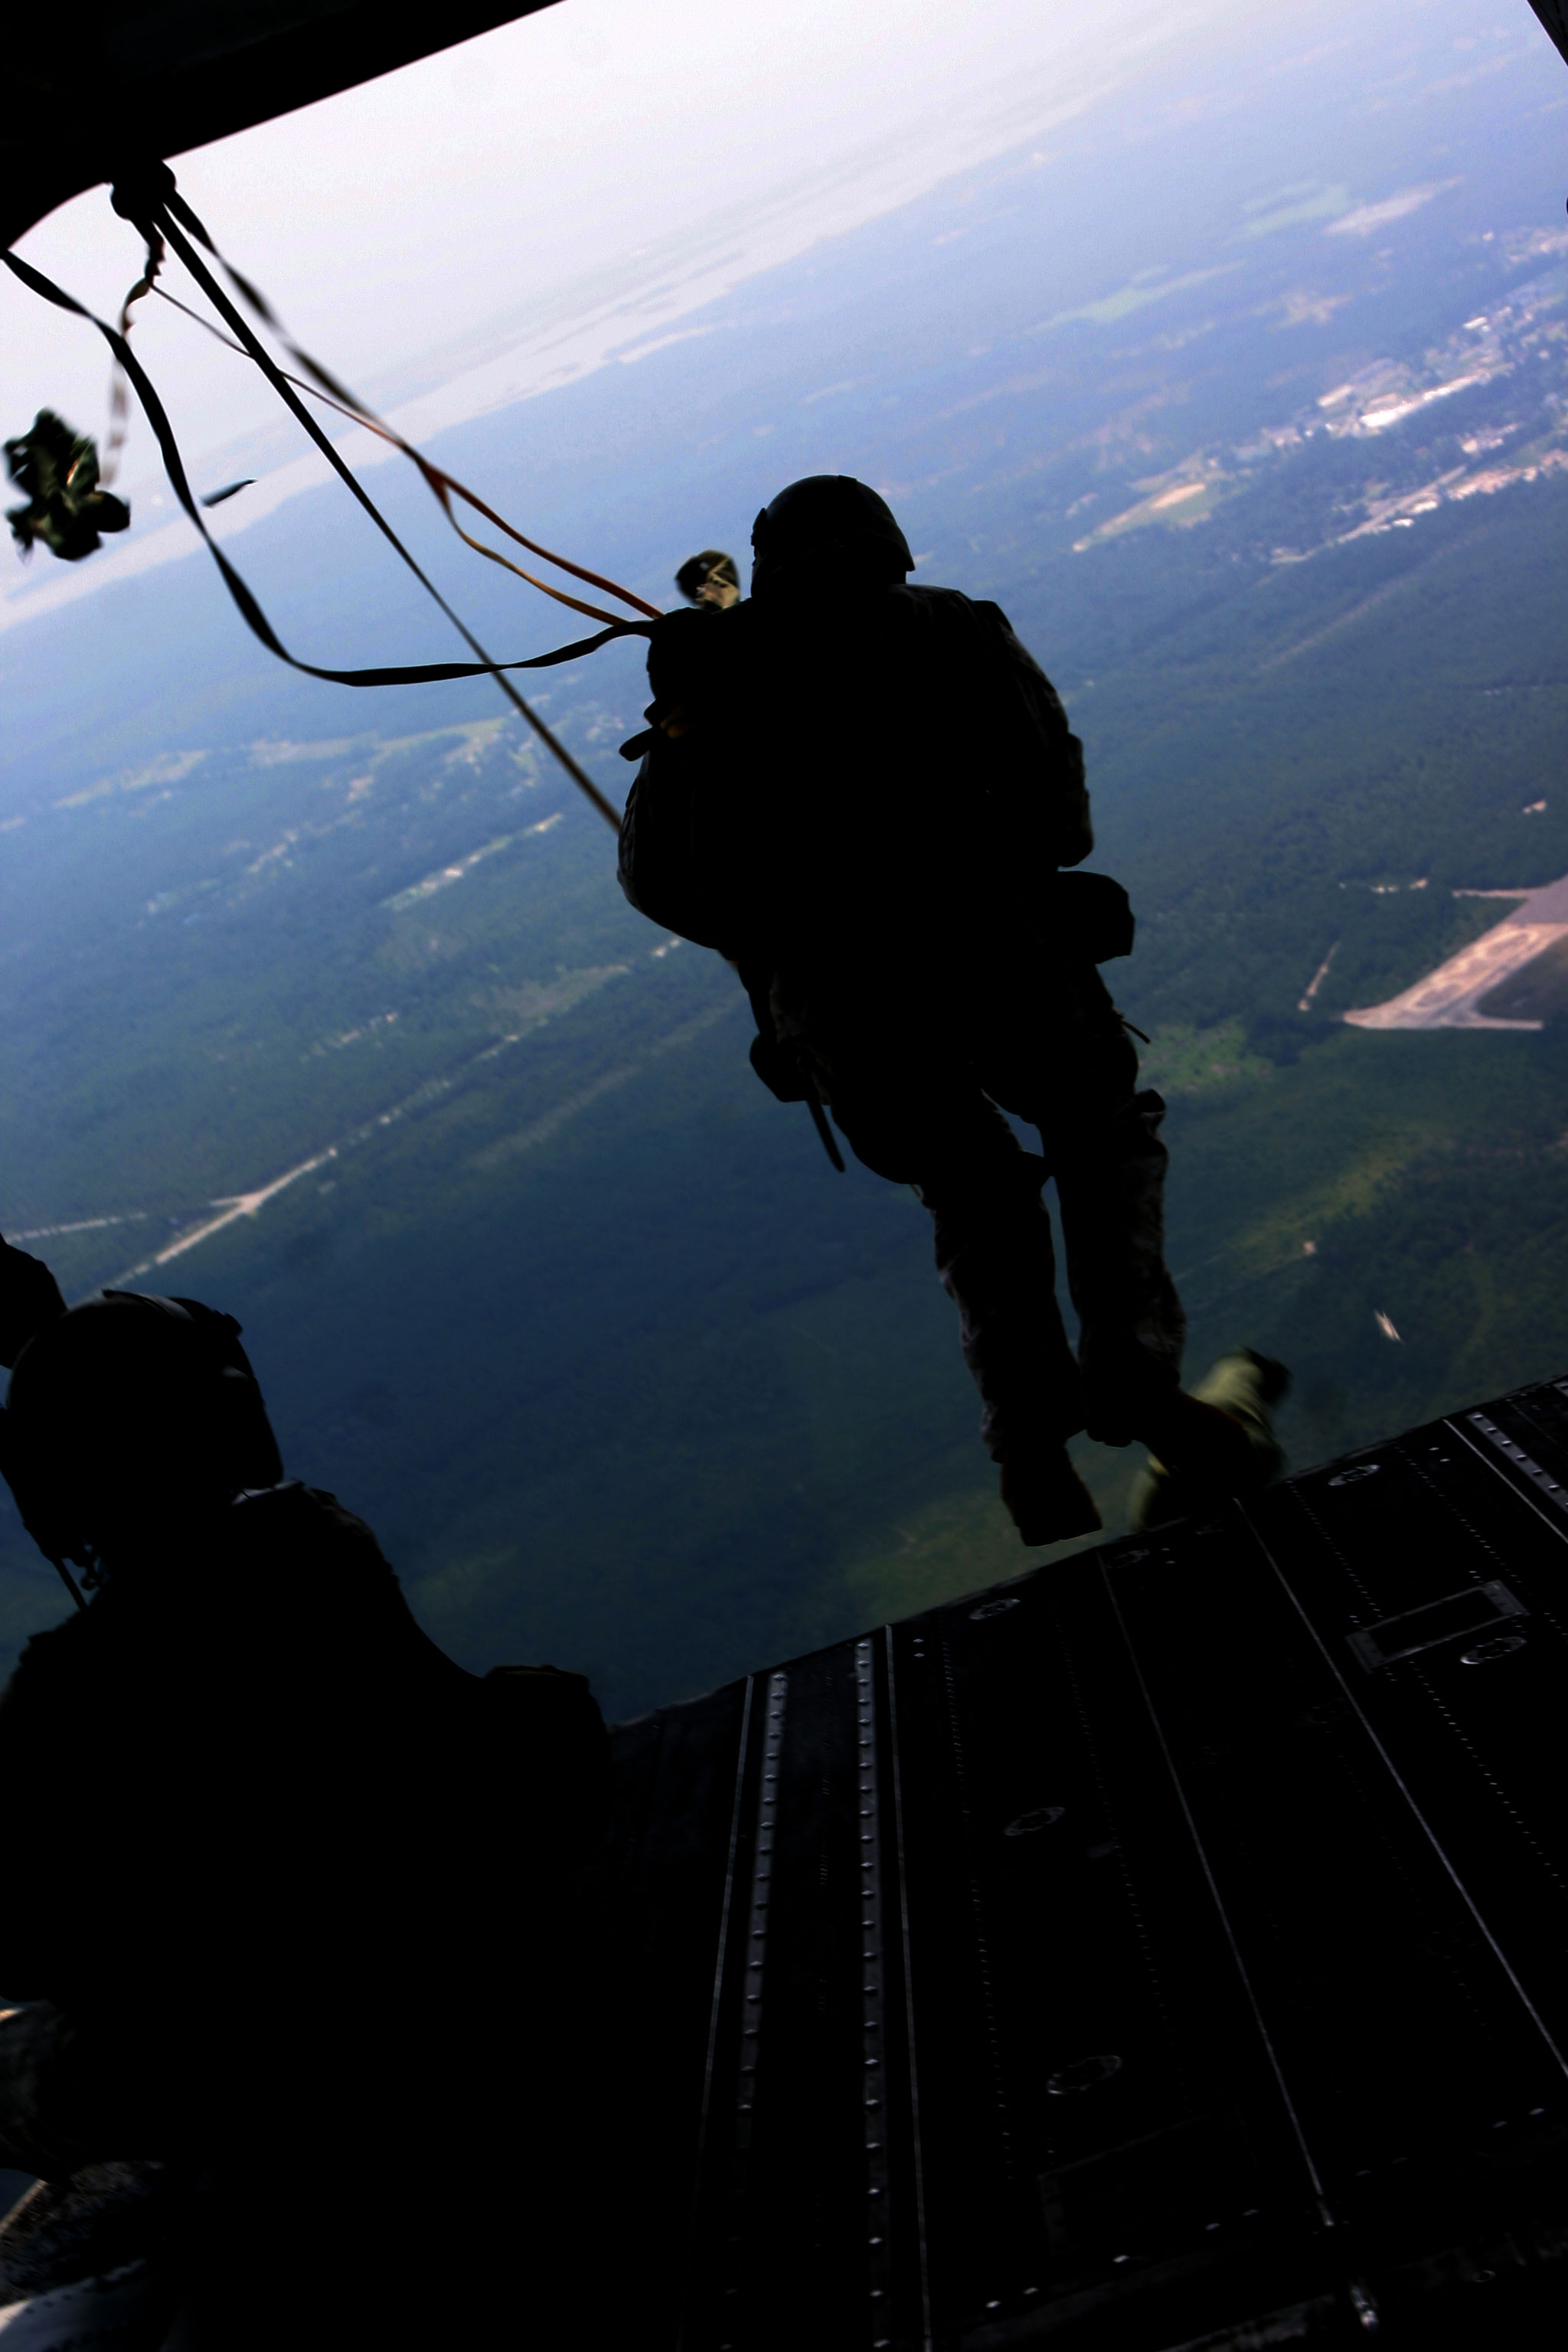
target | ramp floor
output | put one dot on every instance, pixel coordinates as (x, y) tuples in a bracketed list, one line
[(1166, 1948)]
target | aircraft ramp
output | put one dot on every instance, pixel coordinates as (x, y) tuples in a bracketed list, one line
[(1163, 1949)]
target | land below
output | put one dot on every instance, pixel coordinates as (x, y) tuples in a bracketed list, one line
[(327, 1008)]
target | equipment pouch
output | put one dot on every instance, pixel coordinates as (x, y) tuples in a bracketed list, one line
[(1093, 917), (778, 1069)]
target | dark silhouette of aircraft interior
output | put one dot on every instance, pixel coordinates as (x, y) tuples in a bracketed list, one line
[(1162, 1950)]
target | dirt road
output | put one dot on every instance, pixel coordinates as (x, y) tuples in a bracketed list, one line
[(1451, 997)]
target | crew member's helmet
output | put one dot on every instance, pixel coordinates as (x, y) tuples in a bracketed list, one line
[(711, 566), (827, 527), (131, 1413)]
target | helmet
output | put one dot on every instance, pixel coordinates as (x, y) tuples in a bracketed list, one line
[(828, 522), (131, 1408), (698, 570)]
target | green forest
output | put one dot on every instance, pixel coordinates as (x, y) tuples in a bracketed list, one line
[(335, 997), (572, 1290)]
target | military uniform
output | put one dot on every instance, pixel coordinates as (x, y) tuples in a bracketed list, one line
[(288, 1898), (866, 803), (251, 1806)]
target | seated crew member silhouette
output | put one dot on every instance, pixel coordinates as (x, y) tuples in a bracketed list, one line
[(284, 1893), (863, 794)]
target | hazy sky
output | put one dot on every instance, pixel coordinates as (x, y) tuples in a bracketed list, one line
[(510, 214), (404, 214)]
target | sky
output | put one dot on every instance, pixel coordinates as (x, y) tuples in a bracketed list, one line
[(562, 166), (516, 212)]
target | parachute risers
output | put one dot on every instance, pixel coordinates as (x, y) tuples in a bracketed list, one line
[(152, 201), (1161, 1949), (325, 388)]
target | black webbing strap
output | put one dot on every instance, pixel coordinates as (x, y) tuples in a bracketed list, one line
[(323, 385), (819, 1120), (418, 674)]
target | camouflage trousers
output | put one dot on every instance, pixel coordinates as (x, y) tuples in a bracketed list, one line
[(918, 1101)]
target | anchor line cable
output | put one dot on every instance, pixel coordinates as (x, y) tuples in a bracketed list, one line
[(246, 601)]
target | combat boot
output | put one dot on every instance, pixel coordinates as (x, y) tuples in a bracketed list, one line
[(1217, 1440), (1045, 1497)]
